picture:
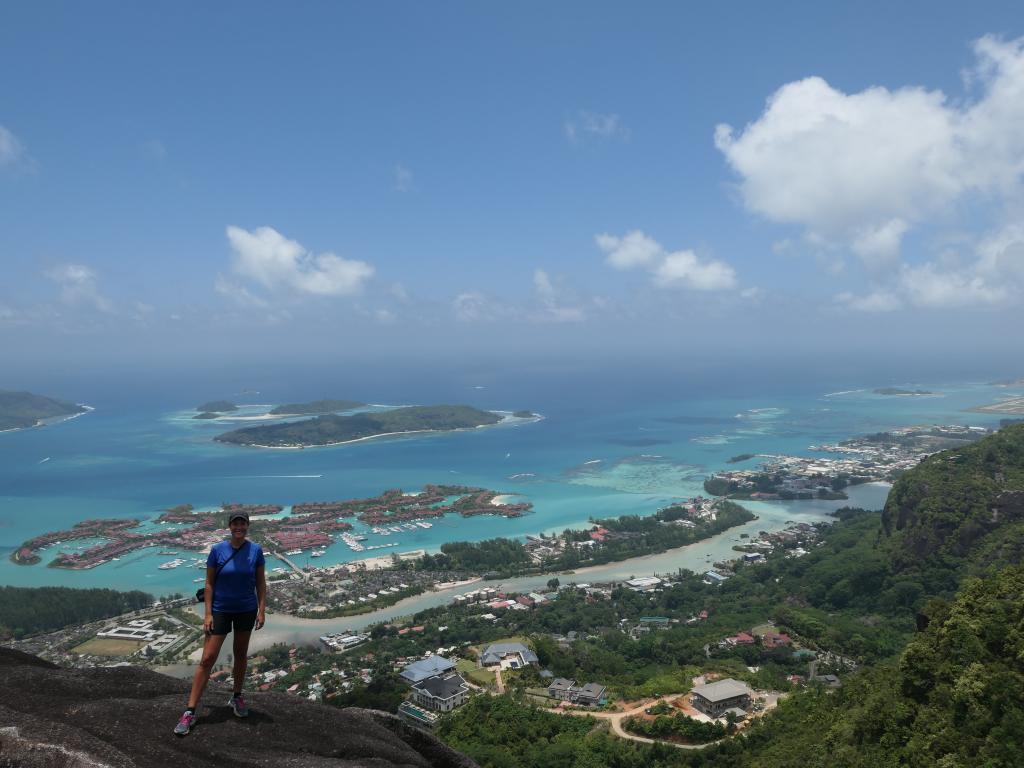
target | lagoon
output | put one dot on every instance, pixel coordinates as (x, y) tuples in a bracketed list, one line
[(596, 453)]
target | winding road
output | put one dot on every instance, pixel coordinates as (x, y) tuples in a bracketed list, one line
[(615, 720)]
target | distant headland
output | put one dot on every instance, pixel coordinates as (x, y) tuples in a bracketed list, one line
[(332, 429), (898, 391), (315, 408), (20, 410)]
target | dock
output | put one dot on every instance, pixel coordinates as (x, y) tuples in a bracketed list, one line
[(290, 564)]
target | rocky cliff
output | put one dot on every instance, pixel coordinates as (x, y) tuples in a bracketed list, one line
[(122, 717)]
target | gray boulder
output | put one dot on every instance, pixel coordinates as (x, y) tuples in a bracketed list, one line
[(121, 717)]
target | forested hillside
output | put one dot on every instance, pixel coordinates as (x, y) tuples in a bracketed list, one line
[(30, 610), (943, 558), (960, 511)]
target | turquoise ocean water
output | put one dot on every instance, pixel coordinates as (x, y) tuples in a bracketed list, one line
[(599, 451)]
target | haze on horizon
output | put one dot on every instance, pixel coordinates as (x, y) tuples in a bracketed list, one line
[(240, 185)]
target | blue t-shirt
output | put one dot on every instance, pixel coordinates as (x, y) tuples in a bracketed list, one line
[(234, 591)]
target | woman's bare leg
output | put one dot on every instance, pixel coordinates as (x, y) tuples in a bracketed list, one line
[(211, 650), (240, 648)]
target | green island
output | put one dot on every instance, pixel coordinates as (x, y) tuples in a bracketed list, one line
[(524, 414), (331, 429), (898, 391), (216, 406), (206, 415), (314, 408), (19, 410)]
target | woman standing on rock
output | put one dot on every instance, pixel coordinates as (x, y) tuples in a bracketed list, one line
[(236, 599)]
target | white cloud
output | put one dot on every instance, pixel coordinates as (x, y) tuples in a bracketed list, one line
[(595, 124), (11, 150), (9, 315), (542, 284), (1001, 255), (472, 307), (553, 307), (239, 294), (279, 264), (929, 286), (861, 169), (878, 301), (683, 269), (635, 249), (79, 286), (399, 292), (752, 293), (879, 247), (403, 179), (679, 269)]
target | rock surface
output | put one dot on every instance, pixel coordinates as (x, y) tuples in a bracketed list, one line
[(51, 717)]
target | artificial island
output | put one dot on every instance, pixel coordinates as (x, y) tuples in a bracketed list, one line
[(310, 524)]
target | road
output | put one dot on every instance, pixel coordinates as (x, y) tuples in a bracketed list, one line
[(615, 719), (292, 565)]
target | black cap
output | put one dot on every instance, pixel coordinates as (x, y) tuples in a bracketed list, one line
[(238, 515)]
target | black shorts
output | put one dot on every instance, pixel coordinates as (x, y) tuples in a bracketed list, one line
[(223, 623)]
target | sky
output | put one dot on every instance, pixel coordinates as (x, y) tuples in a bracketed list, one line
[(243, 183)]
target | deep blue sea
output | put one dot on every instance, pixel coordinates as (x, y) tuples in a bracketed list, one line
[(612, 441)]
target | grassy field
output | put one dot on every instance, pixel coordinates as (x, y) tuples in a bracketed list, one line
[(513, 639), (469, 669), (108, 646)]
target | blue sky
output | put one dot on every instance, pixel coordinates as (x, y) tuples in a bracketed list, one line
[(230, 181)]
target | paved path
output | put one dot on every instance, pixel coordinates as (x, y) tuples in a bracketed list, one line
[(498, 681)]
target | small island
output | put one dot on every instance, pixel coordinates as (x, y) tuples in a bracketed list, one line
[(331, 429), (216, 406), (206, 415), (20, 410), (897, 391), (740, 457), (315, 408), (524, 414)]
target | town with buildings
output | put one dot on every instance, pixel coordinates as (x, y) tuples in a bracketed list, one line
[(474, 646), (883, 456)]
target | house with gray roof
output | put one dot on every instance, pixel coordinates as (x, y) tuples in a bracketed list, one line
[(507, 656), (589, 695), (714, 699), (431, 666), (441, 693)]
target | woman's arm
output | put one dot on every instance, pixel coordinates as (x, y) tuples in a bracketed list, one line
[(211, 577), (261, 595)]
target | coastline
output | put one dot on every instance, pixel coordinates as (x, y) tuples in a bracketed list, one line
[(53, 420), (696, 556), (506, 418)]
